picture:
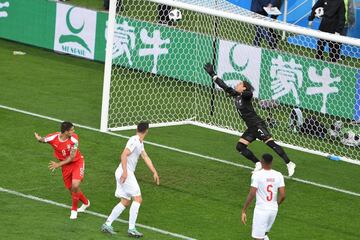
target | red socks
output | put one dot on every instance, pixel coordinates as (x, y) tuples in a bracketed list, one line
[(75, 199), (83, 198), (76, 196)]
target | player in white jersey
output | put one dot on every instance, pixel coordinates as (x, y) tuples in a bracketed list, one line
[(127, 187), (266, 185)]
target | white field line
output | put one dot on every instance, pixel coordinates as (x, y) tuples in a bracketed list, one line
[(91, 213), (184, 151)]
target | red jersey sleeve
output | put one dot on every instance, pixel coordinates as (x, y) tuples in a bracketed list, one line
[(75, 139), (51, 137)]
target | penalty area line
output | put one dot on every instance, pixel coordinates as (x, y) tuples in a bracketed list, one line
[(209, 158), (28, 196)]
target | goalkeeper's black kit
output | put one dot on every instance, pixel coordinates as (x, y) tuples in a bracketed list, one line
[(243, 102), (256, 126)]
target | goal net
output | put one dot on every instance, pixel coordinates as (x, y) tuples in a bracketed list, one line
[(155, 55)]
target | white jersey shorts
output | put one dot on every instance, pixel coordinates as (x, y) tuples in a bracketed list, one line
[(130, 188), (262, 222)]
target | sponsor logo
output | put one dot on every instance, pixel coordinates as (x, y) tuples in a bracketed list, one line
[(3, 6), (152, 44), (75, 31), (73, 37), (238, 62)]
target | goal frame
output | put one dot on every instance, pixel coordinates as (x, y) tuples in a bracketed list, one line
[(208, 11)]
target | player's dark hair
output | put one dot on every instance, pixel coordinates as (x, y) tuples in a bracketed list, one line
[(267, 158), (142, 127), (66, 126), (248, 86)]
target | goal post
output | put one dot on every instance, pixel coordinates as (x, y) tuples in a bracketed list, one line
[(154, 72), (108, 67)]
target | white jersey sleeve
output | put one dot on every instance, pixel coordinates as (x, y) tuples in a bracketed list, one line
[(136, 147), (131, 144), (281, 180), (254, 182), (50, 137)]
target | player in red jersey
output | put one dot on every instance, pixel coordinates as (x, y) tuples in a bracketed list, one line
[(66, 150)]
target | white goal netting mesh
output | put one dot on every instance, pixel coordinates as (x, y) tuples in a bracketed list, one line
[(309, 98)]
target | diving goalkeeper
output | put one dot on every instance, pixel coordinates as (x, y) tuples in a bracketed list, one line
[(256, 127)]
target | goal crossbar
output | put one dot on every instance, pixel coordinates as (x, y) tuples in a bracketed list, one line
[(264, 22)]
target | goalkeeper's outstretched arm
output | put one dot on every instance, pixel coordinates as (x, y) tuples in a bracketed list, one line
[(226, 88), (209, 68)]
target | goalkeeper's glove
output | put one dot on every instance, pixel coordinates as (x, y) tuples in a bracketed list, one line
[(209, 68)]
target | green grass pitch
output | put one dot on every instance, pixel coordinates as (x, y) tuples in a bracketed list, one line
[(198, 198)]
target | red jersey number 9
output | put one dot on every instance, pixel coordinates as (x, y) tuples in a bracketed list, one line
[(63, 152), (269, 190)]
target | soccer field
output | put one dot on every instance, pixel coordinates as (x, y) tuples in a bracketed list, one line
[(204, 181)]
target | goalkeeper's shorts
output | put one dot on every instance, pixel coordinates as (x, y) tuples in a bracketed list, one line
[(259, 131)]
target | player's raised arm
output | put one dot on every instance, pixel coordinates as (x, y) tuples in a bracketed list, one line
[(150, 166), (123, 159), (209, 68), (39, 138)]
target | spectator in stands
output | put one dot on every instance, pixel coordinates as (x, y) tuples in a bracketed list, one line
[(276, 37), (333, 21), (257, 6), (349, 18), (349, 15)]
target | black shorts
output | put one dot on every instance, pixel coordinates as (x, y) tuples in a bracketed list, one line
[(259, 131)]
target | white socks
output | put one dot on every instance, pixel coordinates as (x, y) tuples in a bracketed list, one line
[(134, 209), (119, 208), (115, 213), (266, 237)]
